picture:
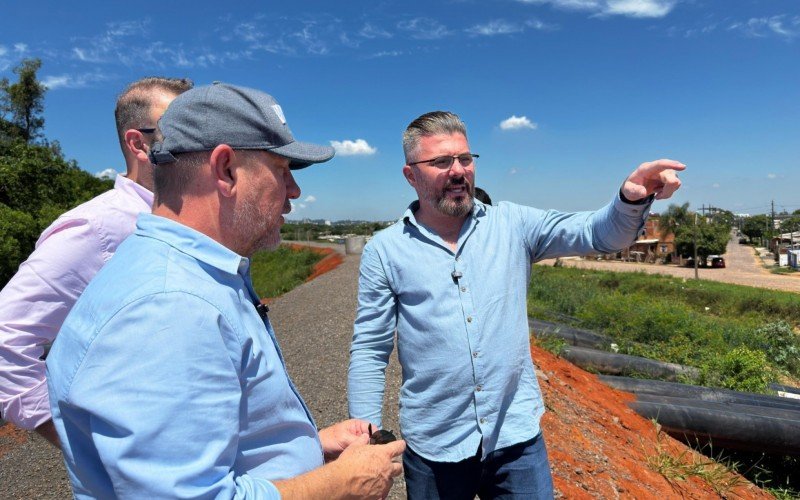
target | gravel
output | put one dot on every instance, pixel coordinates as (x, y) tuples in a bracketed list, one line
[(314, 325)]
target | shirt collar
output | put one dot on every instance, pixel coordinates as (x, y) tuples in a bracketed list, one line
[(191, 242), (128, 186)]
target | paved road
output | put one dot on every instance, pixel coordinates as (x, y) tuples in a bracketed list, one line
[(744, 267)]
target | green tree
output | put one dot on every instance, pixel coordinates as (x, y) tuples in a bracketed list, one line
[(36, 186), (711, 238), (674, 217), (18, 233), (791, 225), (22, 103), (756, 226), (725, 217)]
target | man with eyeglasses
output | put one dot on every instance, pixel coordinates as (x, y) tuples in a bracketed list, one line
[(68, 254), (451, 277)]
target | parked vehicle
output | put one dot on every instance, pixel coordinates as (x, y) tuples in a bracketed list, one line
[(716, 261)]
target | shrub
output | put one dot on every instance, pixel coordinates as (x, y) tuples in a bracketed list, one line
[(781, 344), (18, 233), (741, 369)]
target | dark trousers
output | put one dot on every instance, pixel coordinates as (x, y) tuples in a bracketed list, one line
[(519, 471)]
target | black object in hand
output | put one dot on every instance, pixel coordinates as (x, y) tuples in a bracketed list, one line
[(380, 436)]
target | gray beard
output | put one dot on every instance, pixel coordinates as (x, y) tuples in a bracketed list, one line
[(455, 207)]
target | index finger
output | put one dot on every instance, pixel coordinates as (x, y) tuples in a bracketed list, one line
[(658, 166)]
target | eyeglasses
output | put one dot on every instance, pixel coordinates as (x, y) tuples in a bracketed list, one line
[(445, 162), (146, 130)]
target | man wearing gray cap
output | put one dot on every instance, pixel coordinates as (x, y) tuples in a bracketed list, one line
[(166, 379)]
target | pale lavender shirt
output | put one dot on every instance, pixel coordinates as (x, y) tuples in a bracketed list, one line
[(35, 302)]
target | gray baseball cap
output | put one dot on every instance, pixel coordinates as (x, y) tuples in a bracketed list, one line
[(202, 118)]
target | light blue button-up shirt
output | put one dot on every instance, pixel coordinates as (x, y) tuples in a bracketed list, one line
[(461, 320), (165, 382)]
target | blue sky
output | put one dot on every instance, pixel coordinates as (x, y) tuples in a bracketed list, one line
[(562, 98)]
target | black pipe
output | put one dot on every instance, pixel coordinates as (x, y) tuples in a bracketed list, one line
[(623, 364), (724, 425), (712, 395)]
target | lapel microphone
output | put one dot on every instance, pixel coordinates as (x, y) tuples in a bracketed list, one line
[(261, 309)]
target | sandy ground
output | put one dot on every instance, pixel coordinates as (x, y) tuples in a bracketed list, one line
[(744, 267)]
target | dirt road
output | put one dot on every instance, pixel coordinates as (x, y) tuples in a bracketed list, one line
[(743, 268)]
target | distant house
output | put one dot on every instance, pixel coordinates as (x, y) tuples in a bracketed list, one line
[(652, 246), (786, 248)]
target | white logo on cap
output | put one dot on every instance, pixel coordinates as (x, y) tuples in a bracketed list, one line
[(279, 112)]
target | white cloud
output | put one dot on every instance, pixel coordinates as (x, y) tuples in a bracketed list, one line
[(759, 27), (385, 53), (715, 185), (296, 207), (248, 32), (424, 28), (771, 176), (629, 8), (371, 31), (540, 25), (108, 173), (352, 148), (639, 8), (53, 82), (310, 199), (517, 122), (513, 171), (109, 46), (496, 27), (20, 48)]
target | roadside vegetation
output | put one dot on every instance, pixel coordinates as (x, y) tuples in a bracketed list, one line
[(276, 272), (740, 338)]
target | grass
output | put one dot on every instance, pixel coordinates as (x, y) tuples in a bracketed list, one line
[(690, 322), (716, 473), (276, 272), (740, 337)]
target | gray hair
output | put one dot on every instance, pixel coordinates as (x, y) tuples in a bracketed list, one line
[(433, 123), (172, 180)]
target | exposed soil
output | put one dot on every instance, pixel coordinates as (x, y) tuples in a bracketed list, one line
[(600, 448), (11, 437)]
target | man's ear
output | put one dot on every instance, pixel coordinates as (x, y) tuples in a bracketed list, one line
[(408, 173), (224, 168), (135, 145)]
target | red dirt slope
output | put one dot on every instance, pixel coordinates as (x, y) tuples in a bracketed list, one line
[(600, 448)]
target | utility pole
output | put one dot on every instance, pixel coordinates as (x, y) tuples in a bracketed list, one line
[(694, 243)]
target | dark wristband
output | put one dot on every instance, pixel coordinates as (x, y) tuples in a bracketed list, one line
[(643, 201)]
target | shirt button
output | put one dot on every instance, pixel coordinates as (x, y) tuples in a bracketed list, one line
[(469, 319), (479, 388), (483, 420), (475, 354), (463, 289)]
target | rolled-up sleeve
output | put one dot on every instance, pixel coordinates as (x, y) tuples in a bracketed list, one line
[(373, 338)]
